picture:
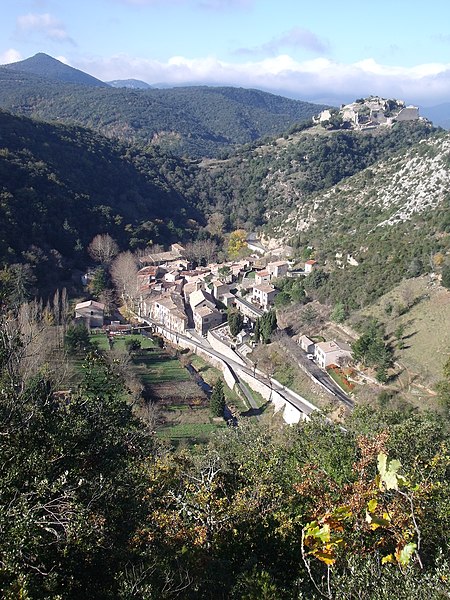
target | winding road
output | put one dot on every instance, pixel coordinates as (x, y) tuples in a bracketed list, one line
[(316, 374)]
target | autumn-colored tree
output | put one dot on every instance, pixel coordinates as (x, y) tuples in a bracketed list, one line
[(379, 513), (237, 243)]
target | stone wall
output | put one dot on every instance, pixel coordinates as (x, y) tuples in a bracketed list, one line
[(222, 347)]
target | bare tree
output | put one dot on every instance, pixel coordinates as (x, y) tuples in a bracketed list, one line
[(124, 272), (38, 343), (56, 308), (103, 248), (209, 250), (200, 250), (216, 223), (152, 414)]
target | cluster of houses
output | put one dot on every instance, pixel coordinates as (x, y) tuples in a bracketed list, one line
[(370, 113), (172, 294), (178, 297)]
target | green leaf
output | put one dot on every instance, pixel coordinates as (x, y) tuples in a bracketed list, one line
[(320, 533), (390, 480), (404, 555)]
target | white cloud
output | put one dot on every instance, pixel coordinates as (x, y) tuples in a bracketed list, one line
[(297, 37), (313, 79), (46, 24), (10, 56)]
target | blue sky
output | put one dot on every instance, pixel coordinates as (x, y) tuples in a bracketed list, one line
[(320, 51)]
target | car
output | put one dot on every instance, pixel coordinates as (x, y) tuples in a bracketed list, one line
[(310, 356)]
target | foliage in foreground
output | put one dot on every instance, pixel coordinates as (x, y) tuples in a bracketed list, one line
[(91, 506)]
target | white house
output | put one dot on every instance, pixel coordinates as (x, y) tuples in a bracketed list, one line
[(306, 344), (309, 265), (264, 295), (329, 353)]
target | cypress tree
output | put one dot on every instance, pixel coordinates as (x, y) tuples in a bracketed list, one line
[(217, 400)]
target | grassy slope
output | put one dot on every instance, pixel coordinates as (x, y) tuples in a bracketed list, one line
[(426, 336)]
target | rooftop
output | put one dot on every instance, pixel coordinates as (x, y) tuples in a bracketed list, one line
[(90, 304)]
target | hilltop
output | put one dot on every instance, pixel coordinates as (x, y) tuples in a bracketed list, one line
[(46, 66), (262, 182), (134, 84), (391, 218), (368, 113)]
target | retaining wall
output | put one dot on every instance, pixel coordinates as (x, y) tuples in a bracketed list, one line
[(223, 348)]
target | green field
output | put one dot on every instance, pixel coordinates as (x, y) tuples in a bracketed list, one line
[(182, 407), (193, 432)]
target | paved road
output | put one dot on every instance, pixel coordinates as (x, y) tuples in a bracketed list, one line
[(235, 367), (315, 371), (323, 378), (308, 365)]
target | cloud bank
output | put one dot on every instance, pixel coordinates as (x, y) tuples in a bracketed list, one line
[(44, 24), (316, 79), (319, 79)]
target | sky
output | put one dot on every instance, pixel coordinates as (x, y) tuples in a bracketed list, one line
[(319, 51)]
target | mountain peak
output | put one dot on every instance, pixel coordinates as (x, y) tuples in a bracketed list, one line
[(51, 68)]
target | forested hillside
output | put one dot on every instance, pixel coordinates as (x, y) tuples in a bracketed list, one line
[(193, 121), (92, 505), (263, 180), (392, 218), (61, 185)]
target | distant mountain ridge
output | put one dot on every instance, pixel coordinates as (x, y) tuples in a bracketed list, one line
[(46, 66), (194, 121)]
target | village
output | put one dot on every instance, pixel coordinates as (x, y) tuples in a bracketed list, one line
[(182, 302)]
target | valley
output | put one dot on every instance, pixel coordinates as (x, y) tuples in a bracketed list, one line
[(224, 343)]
